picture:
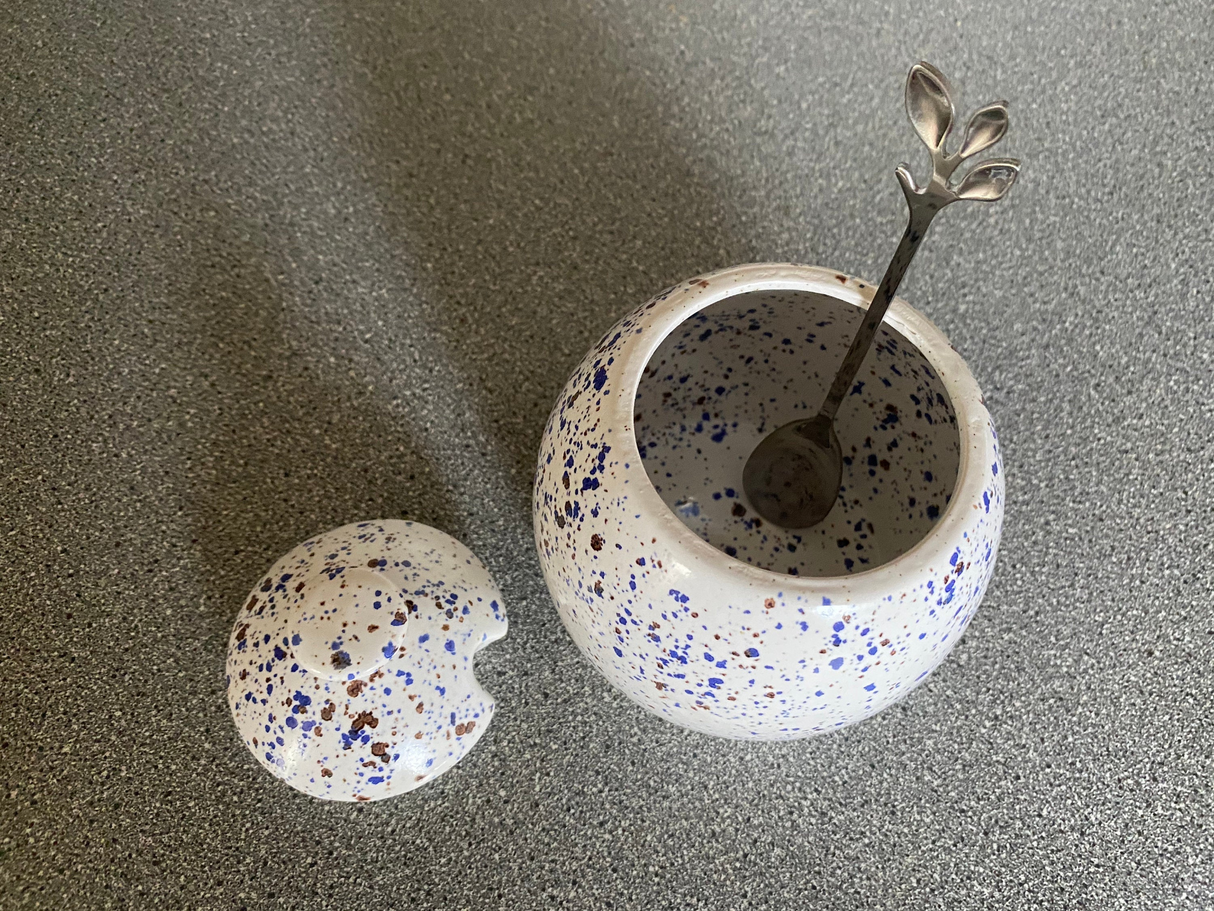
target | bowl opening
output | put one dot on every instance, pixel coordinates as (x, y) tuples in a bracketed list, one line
[(733, 372)]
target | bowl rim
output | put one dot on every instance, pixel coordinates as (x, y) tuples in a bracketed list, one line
[(977, 447)]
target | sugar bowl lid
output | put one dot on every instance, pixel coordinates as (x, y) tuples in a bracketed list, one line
[(349, 669)]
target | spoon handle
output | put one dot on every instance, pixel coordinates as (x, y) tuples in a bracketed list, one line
[(916, 230), (929, 105)]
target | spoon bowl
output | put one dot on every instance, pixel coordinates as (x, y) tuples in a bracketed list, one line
[(792, 478)]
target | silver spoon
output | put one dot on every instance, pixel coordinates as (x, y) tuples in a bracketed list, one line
[(792, 478)]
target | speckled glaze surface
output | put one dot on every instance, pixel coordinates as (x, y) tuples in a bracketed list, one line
[(350, 667), (690, 604)]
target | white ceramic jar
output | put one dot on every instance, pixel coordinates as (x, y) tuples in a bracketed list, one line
[(666, 579)]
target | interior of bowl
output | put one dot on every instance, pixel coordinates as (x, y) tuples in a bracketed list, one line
[(735, 371)]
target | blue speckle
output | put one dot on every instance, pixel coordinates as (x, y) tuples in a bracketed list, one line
[(450, 646), (600, 378), (836, 663), (752, 653)]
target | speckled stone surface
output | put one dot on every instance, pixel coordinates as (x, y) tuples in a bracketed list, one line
[(266, 269)]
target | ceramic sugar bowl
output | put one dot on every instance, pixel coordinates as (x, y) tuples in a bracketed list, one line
[(679, 593)]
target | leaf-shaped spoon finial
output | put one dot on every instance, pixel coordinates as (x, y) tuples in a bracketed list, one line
[(929, 105)]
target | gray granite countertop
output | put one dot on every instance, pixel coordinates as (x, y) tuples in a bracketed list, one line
[(267, 268)]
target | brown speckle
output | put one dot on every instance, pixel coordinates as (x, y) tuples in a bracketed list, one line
[(738, 510), (769, 603), (379, 748), (325, 773), (596, 542), (354, 688)]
